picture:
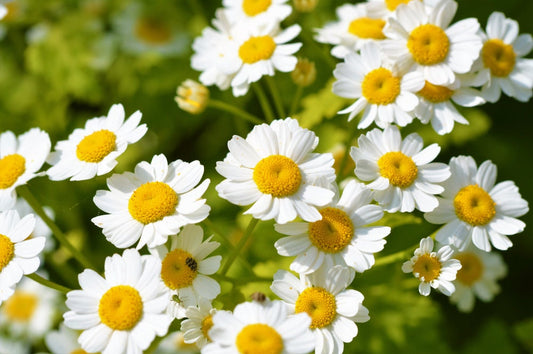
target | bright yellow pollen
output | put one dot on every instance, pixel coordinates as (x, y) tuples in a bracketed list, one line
[(179, 269), (380, 86), (400, 169), (152, 31), (427, 267), (78, 351), (152, 201), (94, 147), (471, 268), (121, 307), (259, 338), (393, 4), (365, 27), (11, 168), (20, 307), (499, 57), (256, 49), (277, 175), (319, 304), (255, 7), (7, 251), (207, 323), (474, 205), (435, 93), (333, 232), (428, 44)]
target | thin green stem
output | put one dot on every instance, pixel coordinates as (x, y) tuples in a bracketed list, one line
[(263, 101), (239, 246), (296, 99), (48, 283), (275, 96), (237, 112), (348, 145), (395, 257)]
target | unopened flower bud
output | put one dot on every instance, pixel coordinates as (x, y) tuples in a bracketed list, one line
[(304, 73), (305, 5), (192, 96)]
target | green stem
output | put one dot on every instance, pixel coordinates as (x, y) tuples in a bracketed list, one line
[(239, 113), (395, 257), (239, 246), (48, 283), (348, 146), (275, 96), (296, 99), (263, 101)]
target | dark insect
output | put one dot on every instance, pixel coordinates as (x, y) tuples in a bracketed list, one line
[(191, 263)]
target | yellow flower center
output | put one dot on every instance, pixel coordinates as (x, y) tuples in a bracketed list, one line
[(474, 205), (393, 4), (256, 49), (152, 201), (255, 7), (499, 57), (7, 251), (94, 147), (471, 268), (13, 11), (207, 323), (428, 44), (435, 93), (11, 168), (78, 351), (364, 27), (380, 86), (319, 304), (427, 267), (152, 31), (333, 232), (259, 338), (179, 269), (277, 175), (121, 307), (20, 306), (399, 169)]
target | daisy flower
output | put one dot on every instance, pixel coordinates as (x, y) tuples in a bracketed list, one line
[(198, 323), (123, 312), (260, 328), (152, 203), (400, 171), (323, 296), (477, 277), (384, 94), (20, 159), (8, 345), (252, 11), (420, 38), (173, 343), (475, 209), (63, 341), (342, 236), (435, 270), (274, 168), (40, 229), (384, 8), (185, 269)]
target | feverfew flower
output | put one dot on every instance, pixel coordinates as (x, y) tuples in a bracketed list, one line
[(253, 11), (152, 203), (274, 168), (40, 229), (92, 151), (198, 323), (474, 209), (192, 97), (384, 8), (342, 236), (123, 312), (63, 341), (399, 171), (20, 159), (435, 270)]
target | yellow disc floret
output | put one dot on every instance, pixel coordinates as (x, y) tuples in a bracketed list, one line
[(399, 168), (259, 338), (474, 205), (120, 308), (427, 267), (20, 307), (368, 28), (207, 323), (428, 44), (94, 147), (78, 351), (256, 49), (278, 176), (333, 232), (380, 87), (7, 251), (499, 57), (471, 268), (152, 201), (178, 269), (393, 4), (152, 30), (11, 168), (319, 304), (255, 7), (435, 93)]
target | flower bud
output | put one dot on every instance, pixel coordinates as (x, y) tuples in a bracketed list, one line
[(305, 5), (304, 73), (192, 96)]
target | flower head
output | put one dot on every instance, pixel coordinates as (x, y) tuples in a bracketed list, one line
[(192, 97), (198, 323)]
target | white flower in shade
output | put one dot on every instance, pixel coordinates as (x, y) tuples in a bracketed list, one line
[(435, 270), (123, 312), (275, 169), (152, 203), (3, 11), (333, 308), (18, 254), (384, 94), (384, 8), (477, 277), (185, 267), (173, 343), (93, 150), (475, 209), (40, 229), (63, 341), (260, 328), (20, 159), (400, 171), (341, 237), (9, 345), (198, 323), (420, 38), (253, 11)]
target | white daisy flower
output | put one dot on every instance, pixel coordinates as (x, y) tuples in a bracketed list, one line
[(421, 37), (476, 210), (40, 229), (400, 171), (435, 270), (477, 277), (173, 343), (152, 203), (333, 308), (3, 11), (123, 312), (18, 255), (198, 323), (274, 168), (20, 159), (253, 11), (185, 269), (342, 236), (63, 341), (384, 8), (92, 151), (9, 345), (260, 328), (384, 94)]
